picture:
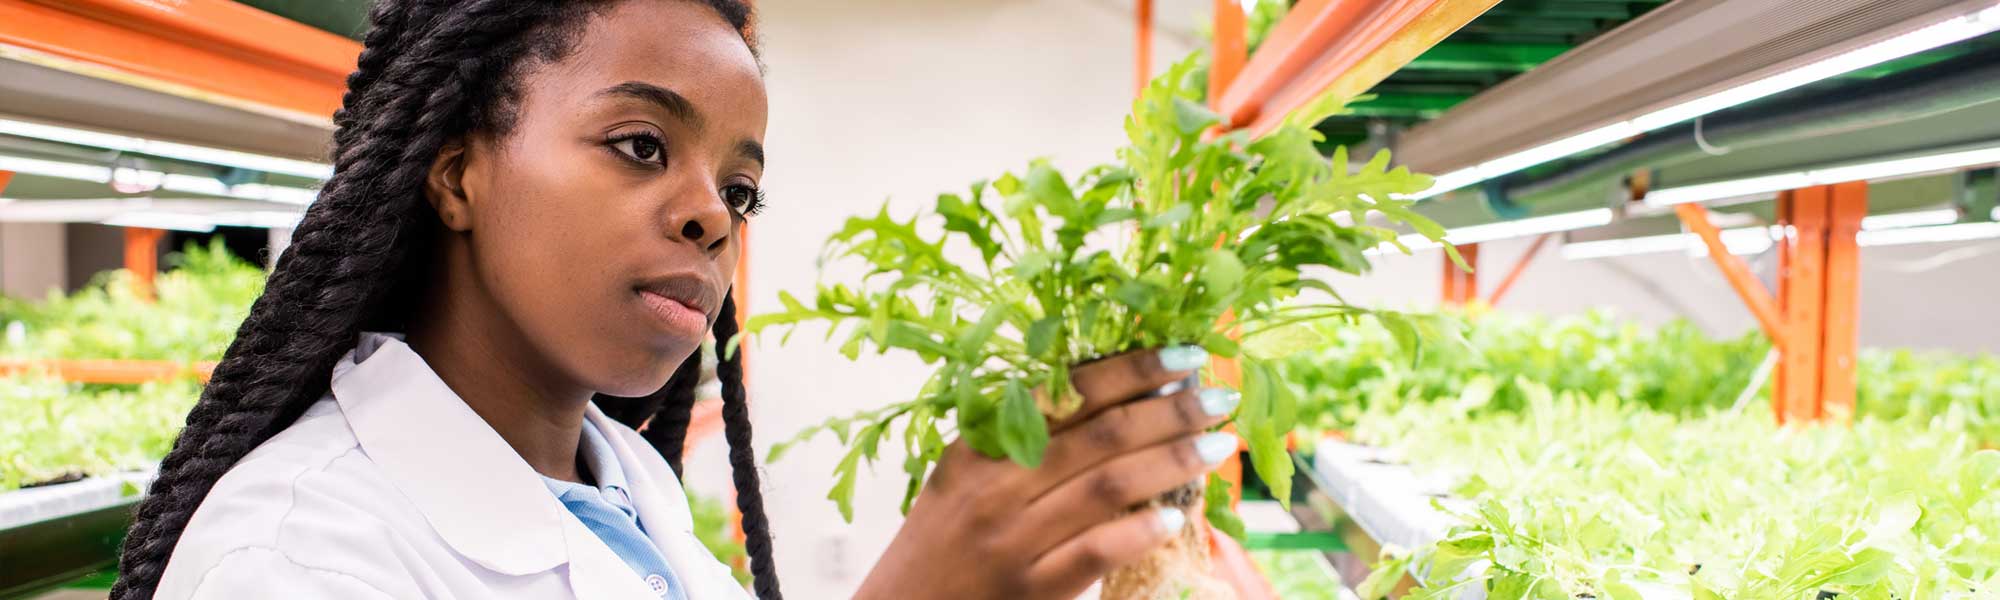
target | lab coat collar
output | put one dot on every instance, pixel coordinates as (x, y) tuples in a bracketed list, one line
[(473, 488), (663, 509)]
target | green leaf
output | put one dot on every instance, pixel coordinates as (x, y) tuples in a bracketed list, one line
[(1217, 501), (1263, 420), (1043, 333), (1405, 333), (842, 493), (1221, 271), (1192, 117), (1388, 571), (1281, 342), (1047, 187), (1173, 216), (969, 342), (1024, 433)]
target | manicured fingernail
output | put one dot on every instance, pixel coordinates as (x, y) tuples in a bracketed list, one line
[(1171, 388), (1219, 401), (1183, 358), (1171, 519), (1213, 447)]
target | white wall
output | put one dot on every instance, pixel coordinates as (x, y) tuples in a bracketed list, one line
[(32, 259), (900, 99)]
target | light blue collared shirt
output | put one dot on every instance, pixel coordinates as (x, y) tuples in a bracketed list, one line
[(608, 511)]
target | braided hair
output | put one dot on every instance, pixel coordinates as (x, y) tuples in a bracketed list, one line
[(430, 71)]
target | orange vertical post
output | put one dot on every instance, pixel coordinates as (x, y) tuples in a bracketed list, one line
[(1461, 286), (142, 257), (5, 176), (1848, 205), (1144, 72), (1805, 305), (1784, 279), (1232, 49), (1449, 292)]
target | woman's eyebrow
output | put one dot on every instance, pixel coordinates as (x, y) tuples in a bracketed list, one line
[(668, 100), (752, 150)]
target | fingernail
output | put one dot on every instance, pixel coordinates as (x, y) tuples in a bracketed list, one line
[(1219, 401), (1171, 388), (1171, 519), (1183, 358), (1213, 447)]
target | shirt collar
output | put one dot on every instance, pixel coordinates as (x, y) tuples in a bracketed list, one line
[(602, 462), (473, 488)]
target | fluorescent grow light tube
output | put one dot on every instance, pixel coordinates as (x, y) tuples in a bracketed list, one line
[(1921, 235), (162, 220), (266, 219), (1739, 241), (1473, 234), (1948, 32), (1921, 218), (189, 152), (1766, 184), (50, 168), (140, 180)]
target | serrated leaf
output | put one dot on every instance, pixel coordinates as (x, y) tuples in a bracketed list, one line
[(1024, 433), (1217, 508)]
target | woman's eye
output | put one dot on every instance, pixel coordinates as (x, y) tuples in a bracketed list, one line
[(744, 199), (642, 148)]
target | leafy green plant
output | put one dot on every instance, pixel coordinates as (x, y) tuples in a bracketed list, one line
[(1673, 368), (1186, 229), (712, 527), (51, 430), (1592, 496), (1298, 575), (194, 316)]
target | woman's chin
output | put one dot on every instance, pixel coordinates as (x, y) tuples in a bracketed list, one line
[(641, 380)]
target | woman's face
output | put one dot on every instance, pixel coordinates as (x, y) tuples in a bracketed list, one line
[(604, 225)]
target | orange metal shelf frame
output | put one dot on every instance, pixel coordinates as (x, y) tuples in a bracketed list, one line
[(1336, 47), (1811, 322), (235, 52), (109, 371)]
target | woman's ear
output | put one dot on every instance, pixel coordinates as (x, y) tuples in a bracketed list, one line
[(444, 186)]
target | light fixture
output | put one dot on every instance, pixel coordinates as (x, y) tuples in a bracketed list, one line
[(134, 181), (266, 219), (1739, 241), (1921, 218), (50, 168), (189, 152), (1950, 31), (1920, 235), (1880, 169), (162, 220), (1473, 234)]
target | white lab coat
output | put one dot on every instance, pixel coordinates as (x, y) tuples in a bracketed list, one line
[(392, 487)]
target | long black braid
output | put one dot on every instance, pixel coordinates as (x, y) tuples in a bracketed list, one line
[(743, 458), (430, 71)]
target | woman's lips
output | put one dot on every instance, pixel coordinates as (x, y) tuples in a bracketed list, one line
[(676, 316)]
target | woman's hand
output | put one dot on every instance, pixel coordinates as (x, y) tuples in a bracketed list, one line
[(988, 528)]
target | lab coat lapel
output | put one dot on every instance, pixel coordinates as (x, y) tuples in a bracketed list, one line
[(664, 511), (476, 492)]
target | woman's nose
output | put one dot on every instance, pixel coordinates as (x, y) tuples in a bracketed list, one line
[(703, 222)]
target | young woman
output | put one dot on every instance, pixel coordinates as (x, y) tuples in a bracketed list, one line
[(529, 232)]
